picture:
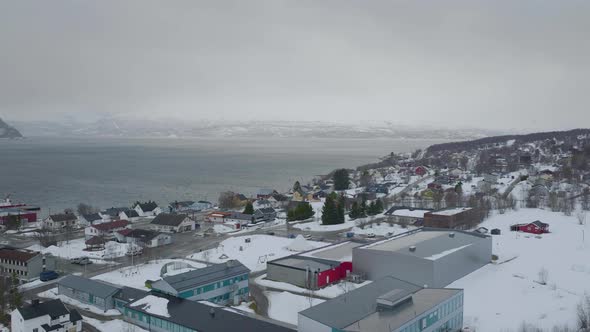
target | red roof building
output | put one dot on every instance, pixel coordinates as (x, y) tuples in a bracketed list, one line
[(106, 230), (535, 227)]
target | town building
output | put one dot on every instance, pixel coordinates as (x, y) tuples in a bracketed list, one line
[(217, 216), (130, 215), (173, 223), (535, 227), (165, 313), (265, 193), (265, 214), (421, 170), (405, 215), (143, 237), (11, 214), (189, 206), (89, 219), (96, 293), (26, 264), (105, 230), (112, 213), (59, 221), (456, 218), (147, 209), (225, 283), (307, 272), (387, 305), (44, 317), (425, 256)]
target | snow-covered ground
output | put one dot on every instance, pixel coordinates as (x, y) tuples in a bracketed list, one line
[(253, 255), (316, 225), (113, 325), (135, 276), (499, 297), (285, 306), (75, 248), (52, 294), (331, 291)]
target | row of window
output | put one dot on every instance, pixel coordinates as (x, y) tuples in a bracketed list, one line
[(440, 313), (225, 297), (12, 262), (213, 286), (18, 272), (156, 322)]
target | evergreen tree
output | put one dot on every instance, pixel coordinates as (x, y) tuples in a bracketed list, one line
[(329, 214), (371, 209), (249, 209), (15, 297), (301, 212), (340, 209), (354, 210), (363, 209), (297, 186), (341, 179), (379, 206)]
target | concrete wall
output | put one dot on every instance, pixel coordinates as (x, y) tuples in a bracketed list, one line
[(376, 264), (460, 263), (286, 274)]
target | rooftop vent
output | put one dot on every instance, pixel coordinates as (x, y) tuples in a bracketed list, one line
[(412, 248), (451, 234)]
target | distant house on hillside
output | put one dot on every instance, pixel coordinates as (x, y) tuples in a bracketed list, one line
[(535, 227), (143, 237), (173, 223), (112, 213), (265, 214), (58, 221), (147, 209), (265, 193), (189, 206), (421, 170)]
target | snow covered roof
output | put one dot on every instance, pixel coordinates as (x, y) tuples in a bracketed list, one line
[(195, 278), (153, 305), (450, 212), (95, 287)]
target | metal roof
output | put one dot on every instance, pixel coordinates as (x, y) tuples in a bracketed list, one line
[(97, 288), (355, 305), (53, 308), (304, 262), (205, 275), (198, 316), (167, 219), (427, 243)]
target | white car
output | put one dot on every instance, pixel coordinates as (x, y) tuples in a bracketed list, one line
[(371, 235)]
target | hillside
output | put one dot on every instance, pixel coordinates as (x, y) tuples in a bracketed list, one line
[(7, 131)]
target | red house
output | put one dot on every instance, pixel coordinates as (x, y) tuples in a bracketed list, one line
[(421, 170), (535, 227)]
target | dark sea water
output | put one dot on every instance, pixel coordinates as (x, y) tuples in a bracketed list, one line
[(57, 173)]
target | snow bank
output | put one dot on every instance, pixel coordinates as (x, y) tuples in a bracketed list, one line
[(285, 306), (331, 291), (153, 304)]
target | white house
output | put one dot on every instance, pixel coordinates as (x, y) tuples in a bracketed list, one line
[(47, 316), (173, 223), (130, 215), (105, 230), (148, 209), (89, 219), (143, 238), (58, 221)]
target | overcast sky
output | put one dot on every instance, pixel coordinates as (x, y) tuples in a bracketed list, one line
[(490, 64)]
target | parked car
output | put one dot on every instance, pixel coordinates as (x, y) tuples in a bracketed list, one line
[(307, 236), (349, 234), (134, 251), (270, 233), (48, 275), (371, 235), (291, 236), (81, 260)]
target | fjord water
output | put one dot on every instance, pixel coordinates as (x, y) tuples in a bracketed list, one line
[(58, 173)]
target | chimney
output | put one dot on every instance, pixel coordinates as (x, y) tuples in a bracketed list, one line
[(412, 248), (212, 312), (451, 234), (35, 302)]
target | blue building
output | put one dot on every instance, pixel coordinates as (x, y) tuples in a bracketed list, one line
[(387, 305), (225, 283)]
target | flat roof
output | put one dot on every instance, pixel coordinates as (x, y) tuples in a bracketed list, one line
[(357, 310), (341, 252), (429, 244), (204, 275), (388, 320)]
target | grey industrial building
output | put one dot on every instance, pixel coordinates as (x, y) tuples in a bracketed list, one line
[(425, 256), (99, 294), (387, 305), (26, 264)]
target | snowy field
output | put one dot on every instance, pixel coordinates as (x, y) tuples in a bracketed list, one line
[(52, 294), (135, 276), (328, 292), (113, 325), (499, 297), (285, 306), (75, 248), (316, 224), (253, 255)]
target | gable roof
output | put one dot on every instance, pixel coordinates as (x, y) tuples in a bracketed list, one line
[(114, 211), (95, 241), (267, 210), (540, 224), (131, 213), (143, 234), (148, 206), (97, 288), (168, 219), (129, 294), (198, 316), (53, 308), (207, 274), (111, 225), (91, 217), (63, 217)]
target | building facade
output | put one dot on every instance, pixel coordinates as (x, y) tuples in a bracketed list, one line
[(455, 218), (47, 316), (26, 264)]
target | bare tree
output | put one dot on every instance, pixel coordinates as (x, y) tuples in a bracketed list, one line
[(46, 237), (581, 216), (84, 208), (583, 314), (226, 200)]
